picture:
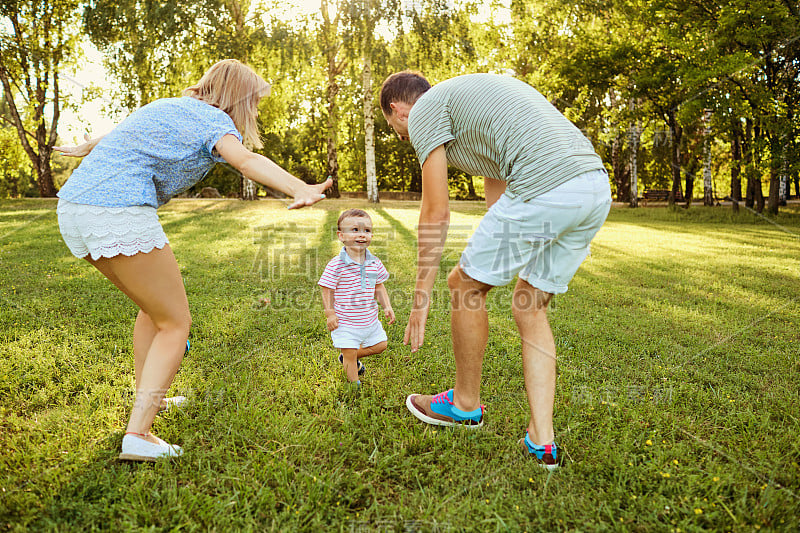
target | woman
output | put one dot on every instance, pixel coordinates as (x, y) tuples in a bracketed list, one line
[(107, 215)]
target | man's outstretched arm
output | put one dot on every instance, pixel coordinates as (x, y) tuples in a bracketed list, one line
[(434, 219)]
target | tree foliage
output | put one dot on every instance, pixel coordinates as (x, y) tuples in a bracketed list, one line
[(682, 87), (36, 41)]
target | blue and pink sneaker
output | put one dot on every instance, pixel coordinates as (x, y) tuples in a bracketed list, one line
[(546, 456), (439, 411)]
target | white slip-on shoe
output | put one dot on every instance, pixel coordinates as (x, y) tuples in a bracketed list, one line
[(172, 403), (135, 448)]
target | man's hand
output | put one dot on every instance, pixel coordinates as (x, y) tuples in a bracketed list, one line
[(434, 219), (415, 331)]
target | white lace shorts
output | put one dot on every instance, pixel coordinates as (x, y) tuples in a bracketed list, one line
[(109, 231)]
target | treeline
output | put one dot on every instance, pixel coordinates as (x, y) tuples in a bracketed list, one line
[(696, 97)]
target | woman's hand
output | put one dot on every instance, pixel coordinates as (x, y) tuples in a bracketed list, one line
[(80, 150), (310, 194)]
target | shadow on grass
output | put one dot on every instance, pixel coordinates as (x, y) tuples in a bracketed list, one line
[(396, 225)]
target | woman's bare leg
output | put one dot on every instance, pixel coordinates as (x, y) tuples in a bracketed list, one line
[(153, 281)]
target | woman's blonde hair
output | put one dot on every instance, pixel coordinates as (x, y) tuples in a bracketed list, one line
[(235, 88)]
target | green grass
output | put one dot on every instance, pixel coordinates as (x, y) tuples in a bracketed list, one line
[(676, 402)]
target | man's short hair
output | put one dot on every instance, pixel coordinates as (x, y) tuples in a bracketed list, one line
[(351, 213), (406, 87)]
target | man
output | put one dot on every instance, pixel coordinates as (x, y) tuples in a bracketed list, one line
[(548, 194)]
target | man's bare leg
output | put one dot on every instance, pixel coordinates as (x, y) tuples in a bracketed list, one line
[(538, 358), (469, 324)]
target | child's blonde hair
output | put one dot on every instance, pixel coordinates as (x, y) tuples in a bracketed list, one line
[(235, 88)]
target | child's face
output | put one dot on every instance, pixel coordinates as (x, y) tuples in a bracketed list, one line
[(355, 233)]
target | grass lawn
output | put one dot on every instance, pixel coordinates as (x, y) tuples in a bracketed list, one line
[(676, 405)]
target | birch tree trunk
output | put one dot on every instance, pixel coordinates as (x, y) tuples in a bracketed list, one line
[(249, 189), (369, 119), (635, 138), (783, 192)]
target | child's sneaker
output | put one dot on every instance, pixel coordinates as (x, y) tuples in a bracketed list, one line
[(440, 411), (361, 367), (546, 456)]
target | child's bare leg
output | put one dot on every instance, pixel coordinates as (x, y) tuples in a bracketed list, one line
[(372, 350), (350, 363)]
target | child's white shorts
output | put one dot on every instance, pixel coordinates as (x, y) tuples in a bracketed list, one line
[(544, 239), (109, 231), (352, 337)]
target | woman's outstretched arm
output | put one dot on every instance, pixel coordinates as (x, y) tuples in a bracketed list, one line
[(266, 172)]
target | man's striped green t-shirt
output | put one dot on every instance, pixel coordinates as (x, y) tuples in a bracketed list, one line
[(502, 128)]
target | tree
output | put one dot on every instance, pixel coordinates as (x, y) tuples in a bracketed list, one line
[(369, 122), (362, 17), (331, 45), (234, 30), (708, 191), (756, 53), (36, 41), (441, 42), (148, 47), (155, 49), (15, 179), (584, 58)]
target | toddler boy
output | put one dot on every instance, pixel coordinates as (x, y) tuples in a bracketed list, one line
[(351, 284)]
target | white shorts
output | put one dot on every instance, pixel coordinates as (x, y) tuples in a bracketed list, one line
[(544, 239), (345, 337), (109, 231)]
